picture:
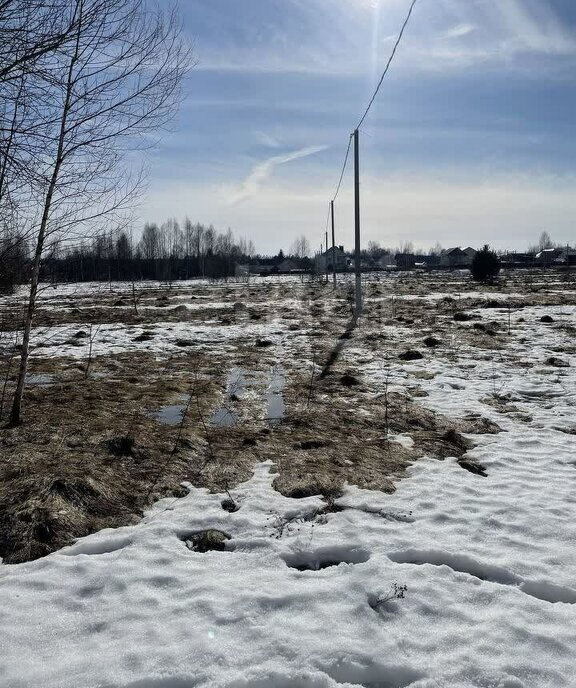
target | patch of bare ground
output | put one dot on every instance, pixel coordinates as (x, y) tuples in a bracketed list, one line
[(345, 436), (504, 405), (178, 311)]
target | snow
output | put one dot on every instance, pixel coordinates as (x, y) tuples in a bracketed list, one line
[(118, 338), (440, 296), (486, 605), (489, 562)]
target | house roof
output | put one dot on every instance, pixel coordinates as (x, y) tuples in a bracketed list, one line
[(549, 252)]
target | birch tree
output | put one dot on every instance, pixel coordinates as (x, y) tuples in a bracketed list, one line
[(116, 80)]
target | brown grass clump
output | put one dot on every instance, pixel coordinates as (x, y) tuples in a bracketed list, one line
[(43, 507)]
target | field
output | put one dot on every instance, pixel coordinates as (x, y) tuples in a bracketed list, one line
[(237, 484)]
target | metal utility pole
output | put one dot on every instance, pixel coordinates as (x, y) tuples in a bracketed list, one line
[(357, 269), (333, 244)]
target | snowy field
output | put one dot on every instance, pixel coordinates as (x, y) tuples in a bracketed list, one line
[(454, 580)]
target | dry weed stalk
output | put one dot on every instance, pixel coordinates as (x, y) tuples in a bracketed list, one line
[(92, 334)]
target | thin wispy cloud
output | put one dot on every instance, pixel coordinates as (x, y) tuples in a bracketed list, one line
[(268, 140), (263, 170), (494, 30), (458, 31)]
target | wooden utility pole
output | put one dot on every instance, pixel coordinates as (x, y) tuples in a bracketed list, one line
[(357, 269), (333, 245)]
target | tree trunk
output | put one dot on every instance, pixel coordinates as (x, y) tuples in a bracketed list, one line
[(16, 413)]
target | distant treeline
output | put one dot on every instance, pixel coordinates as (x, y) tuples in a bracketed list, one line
[(167, 252)]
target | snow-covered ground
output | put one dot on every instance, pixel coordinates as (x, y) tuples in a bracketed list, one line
[(489, 564), (118, 338)]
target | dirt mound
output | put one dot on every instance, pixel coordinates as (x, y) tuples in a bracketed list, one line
[(410, 355)]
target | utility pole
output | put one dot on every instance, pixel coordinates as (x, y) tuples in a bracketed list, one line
[(357, 270), (326, 264), (333, 245)]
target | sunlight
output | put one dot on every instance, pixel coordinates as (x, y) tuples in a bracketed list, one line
[(376, 5)]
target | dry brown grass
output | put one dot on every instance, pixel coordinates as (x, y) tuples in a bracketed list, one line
[(89, 455)]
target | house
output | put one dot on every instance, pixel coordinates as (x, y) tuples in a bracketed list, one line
[(287, 265), (454, 258), (548, 256), (430, 261), (470, 254), (263, 266), (567, 257), (517, 260), (405, 261), (333, 257)]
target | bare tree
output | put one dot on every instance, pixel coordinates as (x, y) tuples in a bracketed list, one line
[(117, 79), (30, 30), (374, 249), (544, 241), (300, 247)]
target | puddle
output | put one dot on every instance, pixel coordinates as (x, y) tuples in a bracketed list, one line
[(170, 415), (210, 540), (224, 417), (275, 406), (240, 383), (237, 382), (40, 379)]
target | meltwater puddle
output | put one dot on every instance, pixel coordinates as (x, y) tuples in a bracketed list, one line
[(40, 379), (241, 383), (173, 414), (275, 406)]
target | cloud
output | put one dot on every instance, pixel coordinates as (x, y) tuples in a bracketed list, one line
[(458, 31), (443, 33), (263, 170), (268, 140)]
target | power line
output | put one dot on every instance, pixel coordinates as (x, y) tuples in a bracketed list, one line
[(339, 181), (328, 218), (390, 60), (386, 69), (384, 73), (343, 168)]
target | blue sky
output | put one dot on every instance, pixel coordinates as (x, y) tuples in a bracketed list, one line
[(472, 138)]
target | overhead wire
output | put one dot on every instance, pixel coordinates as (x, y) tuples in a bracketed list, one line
[(343, 168), (389, 63), (373, 98), (328, 218)]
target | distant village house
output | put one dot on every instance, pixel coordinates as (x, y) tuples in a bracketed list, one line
[(457, 257), (333, 257)]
